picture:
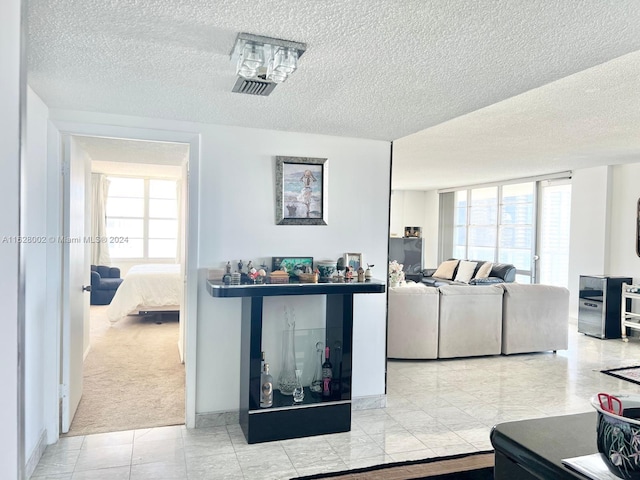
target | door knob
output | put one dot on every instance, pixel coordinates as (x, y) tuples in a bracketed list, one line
[(86, 288), (536, 258)]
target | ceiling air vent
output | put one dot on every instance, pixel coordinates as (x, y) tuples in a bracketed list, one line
[(253, 86)]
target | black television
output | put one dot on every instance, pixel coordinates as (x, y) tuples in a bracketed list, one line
[(408, 252)]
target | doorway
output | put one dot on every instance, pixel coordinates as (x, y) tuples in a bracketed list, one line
[(133, 376), (66, 133)]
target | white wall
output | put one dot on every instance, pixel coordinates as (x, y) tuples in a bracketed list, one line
[(430, 228), (396, 221), (237, 193), (623, 259), (407, 210), (412, 208), (10, 27), (590, 221), (35, 225), (237, 221)]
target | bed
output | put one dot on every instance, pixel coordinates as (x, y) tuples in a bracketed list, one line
[(147, 288)]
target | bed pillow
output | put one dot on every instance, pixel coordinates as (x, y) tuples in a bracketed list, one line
[(446, 269), (484, 270), (465, 271)]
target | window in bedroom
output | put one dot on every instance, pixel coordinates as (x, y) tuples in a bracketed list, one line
[(144, 211)]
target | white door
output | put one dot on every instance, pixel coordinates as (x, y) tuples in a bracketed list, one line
[(183, 208), (76, 277)]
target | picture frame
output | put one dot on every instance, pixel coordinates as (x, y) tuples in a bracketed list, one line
[(355, 260), (412, 232), (292, 264), (301, 191)]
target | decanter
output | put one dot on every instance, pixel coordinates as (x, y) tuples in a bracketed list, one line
[(287, 379), (316, 383)]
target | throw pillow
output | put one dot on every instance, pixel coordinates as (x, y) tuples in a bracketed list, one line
[(465, 271), (445, 269), (484, 270)]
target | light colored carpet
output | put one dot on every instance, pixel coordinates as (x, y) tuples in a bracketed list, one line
[(133, 377)]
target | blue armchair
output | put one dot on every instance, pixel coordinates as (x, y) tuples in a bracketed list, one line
[(104, 283)]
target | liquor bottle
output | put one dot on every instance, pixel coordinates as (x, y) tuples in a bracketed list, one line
[(266, 388), (327, 374)]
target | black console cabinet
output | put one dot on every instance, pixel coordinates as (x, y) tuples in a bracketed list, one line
[(316, 415), (599, 307)]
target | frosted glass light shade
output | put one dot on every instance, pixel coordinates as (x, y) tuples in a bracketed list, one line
[(250, 60), (268, 58), (283, 63)]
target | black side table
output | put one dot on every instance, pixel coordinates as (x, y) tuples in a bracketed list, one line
[(534, 449)]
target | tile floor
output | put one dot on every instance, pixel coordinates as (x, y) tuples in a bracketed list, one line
[(434, 408)]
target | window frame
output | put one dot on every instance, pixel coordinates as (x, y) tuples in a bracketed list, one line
[(146, 218)]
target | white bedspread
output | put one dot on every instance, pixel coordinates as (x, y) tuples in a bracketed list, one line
[(152, 285)]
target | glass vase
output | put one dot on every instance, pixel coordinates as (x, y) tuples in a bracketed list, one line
[(316, 383), (287, 380)]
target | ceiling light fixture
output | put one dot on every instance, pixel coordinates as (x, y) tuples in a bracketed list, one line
[(266, 58)]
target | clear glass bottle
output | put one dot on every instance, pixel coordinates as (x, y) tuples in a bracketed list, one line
[(287, 378), (266, 388), (298, 392), (316, 383), (327, 374)]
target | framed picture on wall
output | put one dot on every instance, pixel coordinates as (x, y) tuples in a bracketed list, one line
[(301, 191)]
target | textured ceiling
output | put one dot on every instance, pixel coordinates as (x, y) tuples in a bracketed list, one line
[(588, 119), (372, 69), (116, 156)]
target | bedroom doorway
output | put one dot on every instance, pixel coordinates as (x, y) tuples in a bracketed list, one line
[(132, 368)]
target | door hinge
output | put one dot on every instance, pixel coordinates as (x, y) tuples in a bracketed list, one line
[(63, 390)]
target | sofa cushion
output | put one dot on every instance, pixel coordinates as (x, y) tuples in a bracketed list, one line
[(470, 321), (535, 318), (465, 271), (484, 270), (413, 322), (446, 269)]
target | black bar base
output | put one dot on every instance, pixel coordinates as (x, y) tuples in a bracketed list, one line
[(283, 424)]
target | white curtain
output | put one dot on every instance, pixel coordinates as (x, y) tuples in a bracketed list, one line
[(99, 191)]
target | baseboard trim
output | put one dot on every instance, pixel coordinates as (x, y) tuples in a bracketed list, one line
[(217, 419), (232, 417), (369, 402), (36, 455)]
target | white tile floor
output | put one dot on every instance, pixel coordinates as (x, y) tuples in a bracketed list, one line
[(434, 408)]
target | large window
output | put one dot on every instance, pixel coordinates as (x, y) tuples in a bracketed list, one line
[(142, 213), (498, 224)]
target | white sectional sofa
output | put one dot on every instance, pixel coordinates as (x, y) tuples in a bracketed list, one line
[(470, 320), (413, 332), (463, 321), (534, 318)]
